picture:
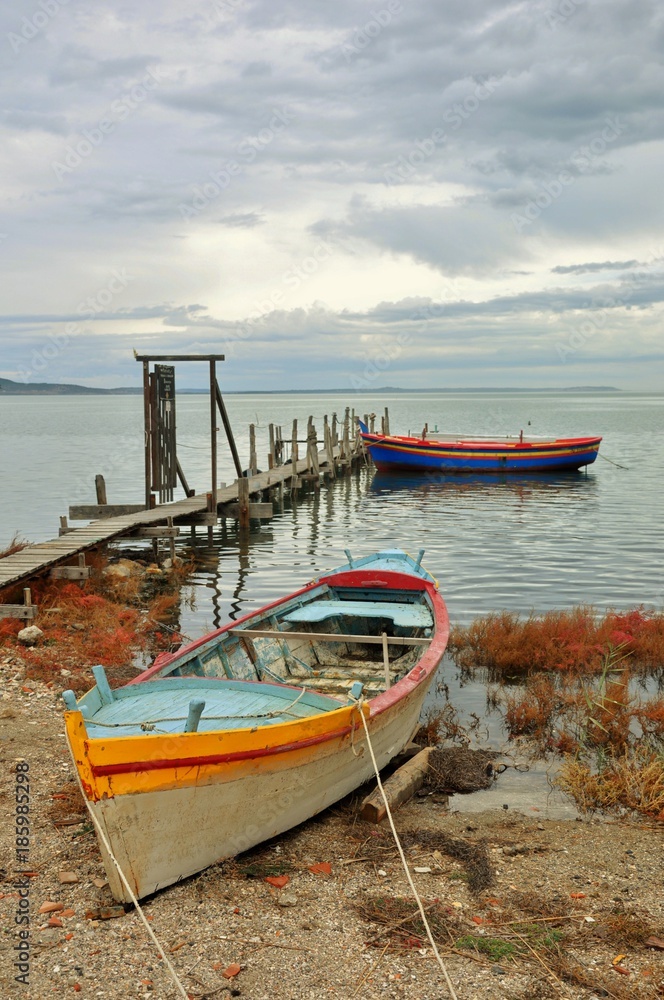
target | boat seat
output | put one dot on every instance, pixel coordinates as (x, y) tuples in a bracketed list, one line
[(403, 615)]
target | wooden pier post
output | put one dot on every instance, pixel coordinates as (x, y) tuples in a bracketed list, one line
[(345, 442), (312, 454), (329, 450), (243, 502), (386, 423), (253, 462), (100, 488), (272, 455), (213, 433), (279, 446), (295, 482)]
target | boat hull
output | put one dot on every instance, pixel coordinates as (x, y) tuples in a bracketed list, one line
[(169, 803), (398, 454), (224, 812)]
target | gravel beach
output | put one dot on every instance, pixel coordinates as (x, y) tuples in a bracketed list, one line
[(570, 909)]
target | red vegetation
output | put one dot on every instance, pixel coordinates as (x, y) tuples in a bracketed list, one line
[(98, 621), (575, 641), (16, 545)]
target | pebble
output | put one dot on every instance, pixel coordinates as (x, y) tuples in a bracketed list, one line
[(287, 899), (30, 636)]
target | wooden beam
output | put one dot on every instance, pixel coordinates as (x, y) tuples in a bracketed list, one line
[(374, 640), (91, 512), (179, 357), (262, 511), (229, 430), (204, 517), (18, 611), (159, 531), (26, 610), (398, 788), (71, 572)]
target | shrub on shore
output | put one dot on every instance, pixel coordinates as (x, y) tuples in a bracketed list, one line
[(575, 641)]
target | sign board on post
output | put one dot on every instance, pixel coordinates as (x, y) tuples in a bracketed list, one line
[(164, 459)]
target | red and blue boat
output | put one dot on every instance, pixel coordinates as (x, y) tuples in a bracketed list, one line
[(452, 454)]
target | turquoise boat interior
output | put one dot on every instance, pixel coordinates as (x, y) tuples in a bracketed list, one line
[(306, 656)]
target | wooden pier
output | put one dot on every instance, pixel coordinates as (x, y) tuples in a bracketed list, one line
[(243, 500)]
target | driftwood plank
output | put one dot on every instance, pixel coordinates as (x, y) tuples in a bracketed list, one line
[(84, 512), (399, 787)]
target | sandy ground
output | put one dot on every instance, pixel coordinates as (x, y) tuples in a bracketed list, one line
[(596, 887)]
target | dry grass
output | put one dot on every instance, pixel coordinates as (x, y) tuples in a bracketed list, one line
[(537, 934), (575, 641), (116, 623), (67, 803), (473, 855), (16, 545), (401, 917), (532, 712), (632, 780)]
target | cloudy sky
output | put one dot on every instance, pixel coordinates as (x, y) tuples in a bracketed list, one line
[(396, 192)]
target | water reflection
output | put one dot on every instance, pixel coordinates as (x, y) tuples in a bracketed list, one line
[(522, 485)]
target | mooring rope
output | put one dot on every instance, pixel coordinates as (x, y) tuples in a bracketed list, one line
[(617, 465), (102, 836), (403, 856)]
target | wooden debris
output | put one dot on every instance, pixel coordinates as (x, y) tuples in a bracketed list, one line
[(399, 787)]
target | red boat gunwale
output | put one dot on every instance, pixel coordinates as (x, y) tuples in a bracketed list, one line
[(360, 579)]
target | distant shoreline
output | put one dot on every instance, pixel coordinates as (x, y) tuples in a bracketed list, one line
[(11, 388)]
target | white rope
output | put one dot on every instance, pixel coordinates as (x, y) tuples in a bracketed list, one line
[(403, 857), (123, 879)]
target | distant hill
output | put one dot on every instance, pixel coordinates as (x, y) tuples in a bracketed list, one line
[(60, 389), (8, 387)]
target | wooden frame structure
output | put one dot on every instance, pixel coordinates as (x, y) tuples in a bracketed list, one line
[(153, 431)]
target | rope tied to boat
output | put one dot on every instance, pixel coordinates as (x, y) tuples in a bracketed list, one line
[(123, 878), (610, 460), (418, 900)]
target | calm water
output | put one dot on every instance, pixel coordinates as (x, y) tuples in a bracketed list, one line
[(515, 543), (511, 543)]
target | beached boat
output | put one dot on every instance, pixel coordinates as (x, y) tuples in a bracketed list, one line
[(455, 454), (256, 727)]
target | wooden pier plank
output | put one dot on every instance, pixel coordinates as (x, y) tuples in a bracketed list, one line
[(37, 558)]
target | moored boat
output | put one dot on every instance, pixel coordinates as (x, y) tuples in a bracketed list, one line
[(256, 727), (452, 454)]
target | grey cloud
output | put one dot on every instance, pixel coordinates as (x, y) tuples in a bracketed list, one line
[(243, 220), (607, 265), (225, 67)]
